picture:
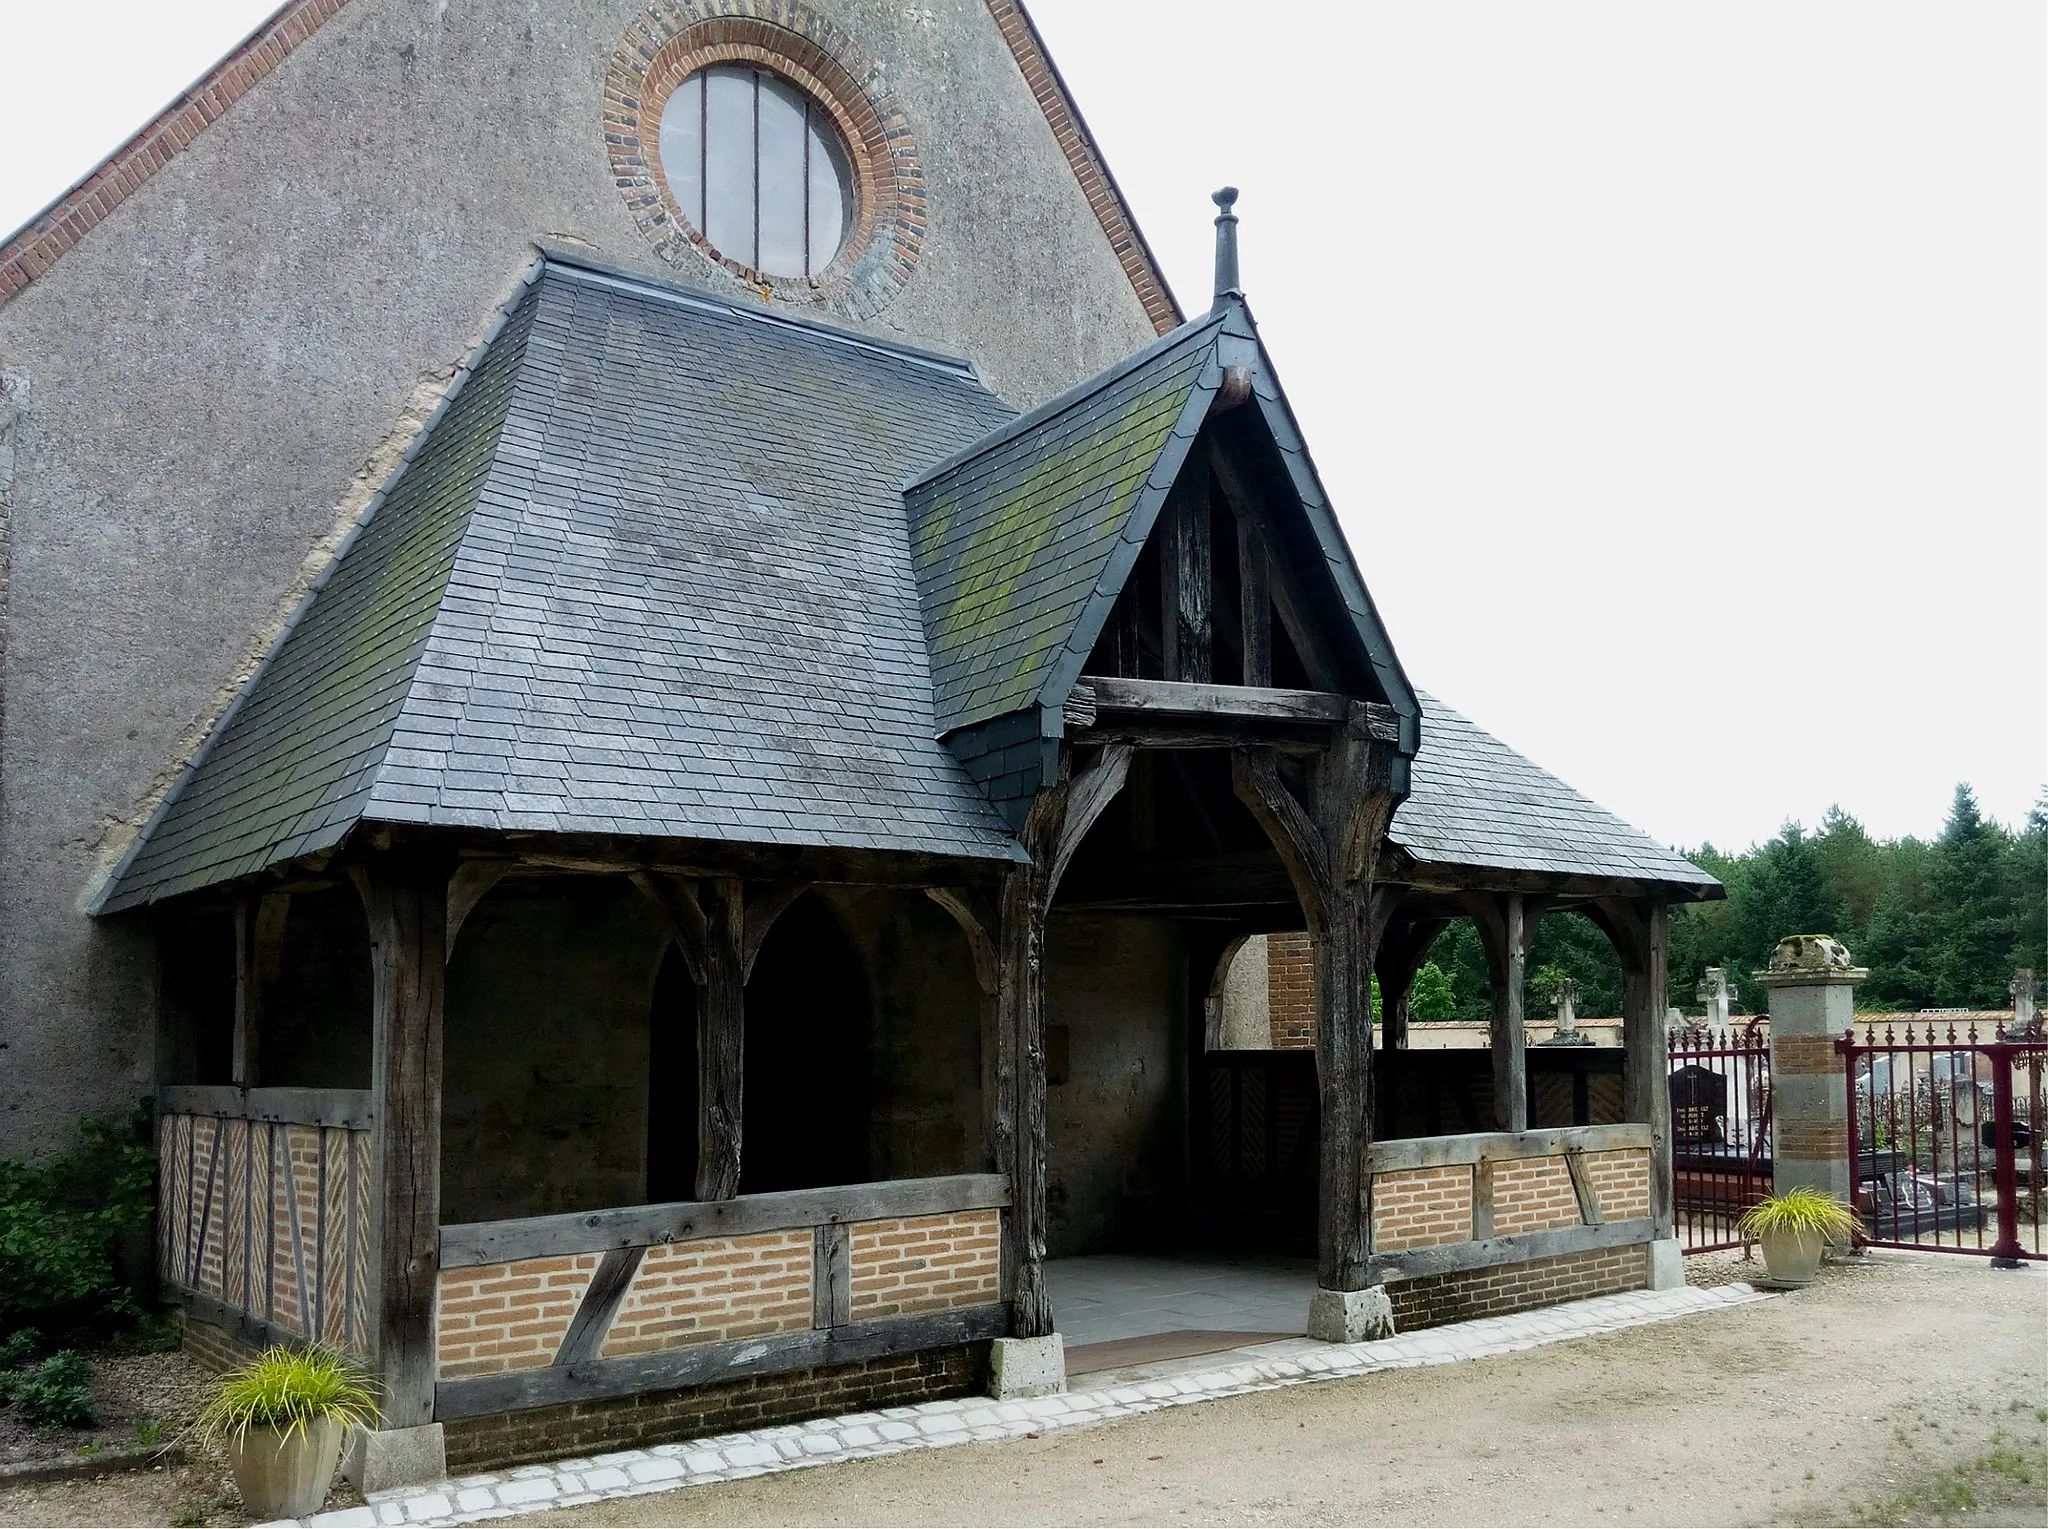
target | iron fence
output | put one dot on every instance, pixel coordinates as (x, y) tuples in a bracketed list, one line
[(1720, 1083), (1945, 1139)]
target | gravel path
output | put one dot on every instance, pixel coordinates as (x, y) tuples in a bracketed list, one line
[(1872, 1395)]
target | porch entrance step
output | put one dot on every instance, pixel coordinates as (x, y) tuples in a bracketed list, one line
[(1266, 1366)]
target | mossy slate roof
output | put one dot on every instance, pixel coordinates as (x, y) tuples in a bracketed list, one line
[(664, 566)]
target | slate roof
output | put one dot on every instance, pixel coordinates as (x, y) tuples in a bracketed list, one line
[(1473, 801), (645, 573), (1022, 542), (649, 570)]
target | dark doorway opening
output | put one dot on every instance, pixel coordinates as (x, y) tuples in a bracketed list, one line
[(804, 1103), (672, 1084)]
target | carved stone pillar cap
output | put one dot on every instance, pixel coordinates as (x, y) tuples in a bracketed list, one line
[(1809, 960)]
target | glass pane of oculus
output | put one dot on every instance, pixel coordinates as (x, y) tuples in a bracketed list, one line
[(759, 168)]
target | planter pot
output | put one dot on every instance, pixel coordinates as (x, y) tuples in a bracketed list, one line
[(1792, 1258), (285, 1475)]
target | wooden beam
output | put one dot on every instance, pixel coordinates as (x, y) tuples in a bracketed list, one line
[(633, 1226), (703, 1364), (602, 1298), (721, 1039), (1296, 838), (405, 896), (1086, 798), (1254, 603), (1493, 1252), (466, 888), (259, 955), (1584, 1190), (1401, 955), (1187, 579), (764, 907), (1288, 601), (1206, 703), (976, 916), (1505, 934), (348, 1108), (1406, 1153), (831, 1275)]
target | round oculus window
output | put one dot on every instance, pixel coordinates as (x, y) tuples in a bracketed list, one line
[(760, 168)]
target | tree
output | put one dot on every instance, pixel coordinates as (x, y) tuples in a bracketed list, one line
[(1433, 996)]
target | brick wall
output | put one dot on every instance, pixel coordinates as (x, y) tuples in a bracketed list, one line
[(661, 1417), (211, 1347), (1622, 1180), (1421, 1208), (722, 1287), (501, 1317), (925, 1263), (1443, 1298), (1533, 1194), (1291, 991)]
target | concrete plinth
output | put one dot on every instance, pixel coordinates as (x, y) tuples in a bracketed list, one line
[(395, 1457), (1667, 1264), (1019, 1367), (1350, 1316)]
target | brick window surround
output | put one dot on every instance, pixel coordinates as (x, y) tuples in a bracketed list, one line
[(667, 43)]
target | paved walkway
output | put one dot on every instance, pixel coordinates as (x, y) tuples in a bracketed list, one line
[(1115, 1296), (936, 1425)]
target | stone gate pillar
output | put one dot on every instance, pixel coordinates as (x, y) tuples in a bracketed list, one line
[(1812, 989)]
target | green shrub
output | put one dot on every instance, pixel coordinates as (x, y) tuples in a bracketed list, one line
[(62, 1226), (287, 1389), (54, 1394), (19, 1347)]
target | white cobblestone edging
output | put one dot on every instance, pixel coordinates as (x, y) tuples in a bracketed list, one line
[(976, 1419)]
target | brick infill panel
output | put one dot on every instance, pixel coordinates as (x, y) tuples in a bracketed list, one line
[(40, 242), (1445, 1298), (513, 1316), (716, 1288), (1810, 1140), (925, 1263), (1622, 1180), (1533, 1194), (1421, 1208), (665, 1417)]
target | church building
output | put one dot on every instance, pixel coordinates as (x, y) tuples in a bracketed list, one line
[(648, 680)]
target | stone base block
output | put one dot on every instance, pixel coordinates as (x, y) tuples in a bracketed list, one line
[(395, 1457), (1350, 1316), (1667, 1264), (1020, 1367)]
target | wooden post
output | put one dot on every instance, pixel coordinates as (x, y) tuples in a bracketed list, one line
[(1331, 850), (405, 895), (1640, 932), (1186, 580), (1506, 931), (1401, 954), (1254, 603), (259, 948), (1059, 820)]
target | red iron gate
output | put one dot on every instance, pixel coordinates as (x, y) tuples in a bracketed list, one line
[(1945, 1139), (1720, 1083)]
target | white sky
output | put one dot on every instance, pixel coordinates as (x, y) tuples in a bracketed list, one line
[(1678, 369)]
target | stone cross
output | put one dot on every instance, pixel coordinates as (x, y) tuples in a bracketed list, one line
[(1568, 1032), (2025, 1013), (1714, 992)]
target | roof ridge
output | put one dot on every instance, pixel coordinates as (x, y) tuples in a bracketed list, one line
[(681, 294), (1080, 393)]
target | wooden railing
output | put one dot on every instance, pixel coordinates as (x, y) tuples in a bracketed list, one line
[(1508, 1181), (548, 1309), (263, 1210)]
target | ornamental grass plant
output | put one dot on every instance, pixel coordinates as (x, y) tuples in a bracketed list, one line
[(288, 1390), (1800, 1213)]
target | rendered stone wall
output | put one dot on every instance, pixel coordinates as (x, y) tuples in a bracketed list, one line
[(544, 1056), (1117, 1129), (207, 389)]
